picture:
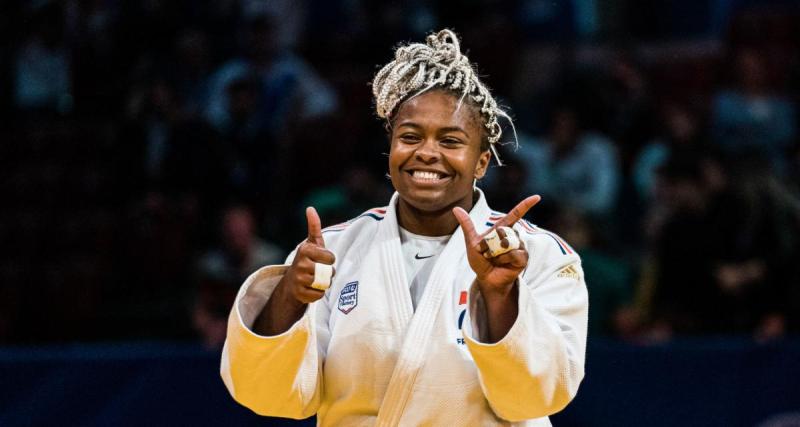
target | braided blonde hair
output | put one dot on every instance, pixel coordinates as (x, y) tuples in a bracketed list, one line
[(439, 63)]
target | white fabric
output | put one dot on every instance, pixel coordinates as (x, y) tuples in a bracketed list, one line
[(420, 254), (382, 363)]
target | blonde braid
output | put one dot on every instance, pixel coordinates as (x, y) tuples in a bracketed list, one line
[(419, 67)]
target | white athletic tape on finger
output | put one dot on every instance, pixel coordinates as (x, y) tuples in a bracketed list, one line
[(322, 276), (513, 239), (494, 241)]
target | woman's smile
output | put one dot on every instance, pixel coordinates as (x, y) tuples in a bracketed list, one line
[(427, 178)]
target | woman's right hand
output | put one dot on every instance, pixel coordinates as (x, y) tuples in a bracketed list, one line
[(294, 292), (298, 279)]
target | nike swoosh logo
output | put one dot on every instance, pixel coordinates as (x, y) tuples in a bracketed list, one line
[(421, 257)]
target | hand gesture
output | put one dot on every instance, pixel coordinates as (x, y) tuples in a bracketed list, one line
[(300, 277), (495, 275)]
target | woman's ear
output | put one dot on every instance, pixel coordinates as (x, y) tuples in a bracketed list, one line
[(483, 164)]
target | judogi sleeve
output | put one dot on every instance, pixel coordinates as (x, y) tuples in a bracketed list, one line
[(281, 375), (534, 371)]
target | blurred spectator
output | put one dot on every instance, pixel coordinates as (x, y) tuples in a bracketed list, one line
[(166, 152), (535, 83), (288, 88), (630, 105), (290, 13), (250, 143), (223, 269), (721, 251), (750, 118), (192, 70), (101, 57), (356, 192), (507, 184), (681, 137), (578, 169), (42, 67)]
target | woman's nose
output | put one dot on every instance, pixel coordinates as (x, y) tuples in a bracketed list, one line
[(428, 151)]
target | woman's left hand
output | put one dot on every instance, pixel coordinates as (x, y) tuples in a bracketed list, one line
[(495, 275)]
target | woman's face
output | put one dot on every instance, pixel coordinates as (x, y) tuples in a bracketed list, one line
[(436, 152)]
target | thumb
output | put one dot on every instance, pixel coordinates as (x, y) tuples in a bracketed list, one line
[(466, 223), (314, 227)]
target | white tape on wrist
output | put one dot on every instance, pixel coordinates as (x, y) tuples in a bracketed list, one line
[(493, 241), (322, 276)]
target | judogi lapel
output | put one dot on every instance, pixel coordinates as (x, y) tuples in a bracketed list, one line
[(416, 339), (393, 270)]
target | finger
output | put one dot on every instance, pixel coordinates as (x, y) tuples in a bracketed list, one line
[(323, 275), (519, 211), (324, 281), (466, 224), (501, 240), (308, 294), (501, 232), (483, 246), (505, 242), (306, 278), (314, 227), (306, 274), (483, 241), (518, 258), (318, 254)]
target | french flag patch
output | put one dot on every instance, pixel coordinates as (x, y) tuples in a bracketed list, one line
[(462, 299)]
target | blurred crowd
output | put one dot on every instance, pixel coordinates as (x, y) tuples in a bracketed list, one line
[(155, 153)]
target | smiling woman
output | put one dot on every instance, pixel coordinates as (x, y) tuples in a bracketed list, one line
[(404, 315), (436, 155)]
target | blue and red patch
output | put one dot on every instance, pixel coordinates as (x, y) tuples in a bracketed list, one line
[(462, 300), (375, 213)]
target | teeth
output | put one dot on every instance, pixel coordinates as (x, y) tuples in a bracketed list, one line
[(431, 176)]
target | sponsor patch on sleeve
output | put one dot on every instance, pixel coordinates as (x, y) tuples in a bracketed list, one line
[(569, 271)]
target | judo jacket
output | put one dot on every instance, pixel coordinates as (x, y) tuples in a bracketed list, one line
[(362, 355)]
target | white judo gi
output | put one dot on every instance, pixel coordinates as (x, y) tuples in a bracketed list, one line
[(362, 355)]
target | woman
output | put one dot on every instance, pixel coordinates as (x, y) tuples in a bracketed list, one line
[(438, 310)]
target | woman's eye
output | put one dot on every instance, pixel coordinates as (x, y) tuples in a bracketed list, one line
[(450, 142), (409, 138)]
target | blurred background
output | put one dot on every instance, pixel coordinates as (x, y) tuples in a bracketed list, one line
[(154, 153)]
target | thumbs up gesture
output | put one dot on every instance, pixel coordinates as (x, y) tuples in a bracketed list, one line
[(312, 268), (301, 284)]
